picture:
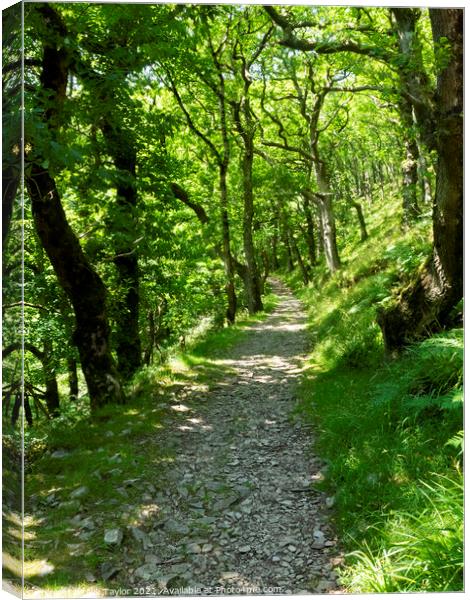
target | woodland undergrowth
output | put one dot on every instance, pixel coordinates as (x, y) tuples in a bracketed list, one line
[(390, 431), (101, 457)]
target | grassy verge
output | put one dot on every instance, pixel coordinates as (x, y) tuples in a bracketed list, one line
[(109, 470), (389, 431)]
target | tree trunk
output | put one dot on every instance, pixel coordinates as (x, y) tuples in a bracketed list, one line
[(321, 247), (73, 378), (324, 202), (409, 167), (231, 311), (75, 275), (50, 380), (310, 232), (298, 256), (252, 282), (362, 221), (266, 265), (128, 345), (223, 251), (411, 210), (425, 180), (329, 234), (415, 84), (425, 305), (11, 112), (330, 248), (82, 285), (45, 358)]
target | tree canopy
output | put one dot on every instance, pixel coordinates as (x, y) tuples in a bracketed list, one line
[(175, 155)]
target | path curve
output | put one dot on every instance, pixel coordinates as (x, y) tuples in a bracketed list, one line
[(238, 512)]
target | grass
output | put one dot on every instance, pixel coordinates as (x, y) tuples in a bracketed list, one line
[(120, 454), (390, 432)]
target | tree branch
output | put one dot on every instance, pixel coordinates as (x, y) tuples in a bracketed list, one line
[(289, 148), (183, 195), (322, 46), (190, 122)]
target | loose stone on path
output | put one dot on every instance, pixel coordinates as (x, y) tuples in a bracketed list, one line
[(237, 508)]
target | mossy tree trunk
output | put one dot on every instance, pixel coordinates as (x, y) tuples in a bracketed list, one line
[(425, 305), (82, 285), (128, 345), (75, 274), (328, 228)]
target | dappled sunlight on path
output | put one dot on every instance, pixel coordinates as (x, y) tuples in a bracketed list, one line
[(240, 513), (224, 503)]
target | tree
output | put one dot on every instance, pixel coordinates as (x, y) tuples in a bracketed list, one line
[(245, 122), (11, 103), (375, 41), (74, 272), (426, 304), (305, 140), (220, 150)]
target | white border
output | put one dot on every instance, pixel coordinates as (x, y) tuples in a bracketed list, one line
[(398, 3)]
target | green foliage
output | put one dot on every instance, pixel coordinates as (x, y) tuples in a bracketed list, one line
[(421, 552), (431, 385), (389, 431), (109, 455)]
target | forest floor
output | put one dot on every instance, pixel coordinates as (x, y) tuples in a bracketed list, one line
[(224, 500), (240, 514)]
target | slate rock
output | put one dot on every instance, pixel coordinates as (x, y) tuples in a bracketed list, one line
[(109, 570), (174, 527), (145, 572), (79, 492), (141, 537), (152, 559), (87, 523), (113, 536)]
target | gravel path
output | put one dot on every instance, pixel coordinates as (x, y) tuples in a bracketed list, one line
[(237, 513)]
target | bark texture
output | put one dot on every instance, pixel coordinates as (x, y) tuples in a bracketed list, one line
[(82, 285), (75, 275), (128, 346), (425, 305), (330, 248)]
